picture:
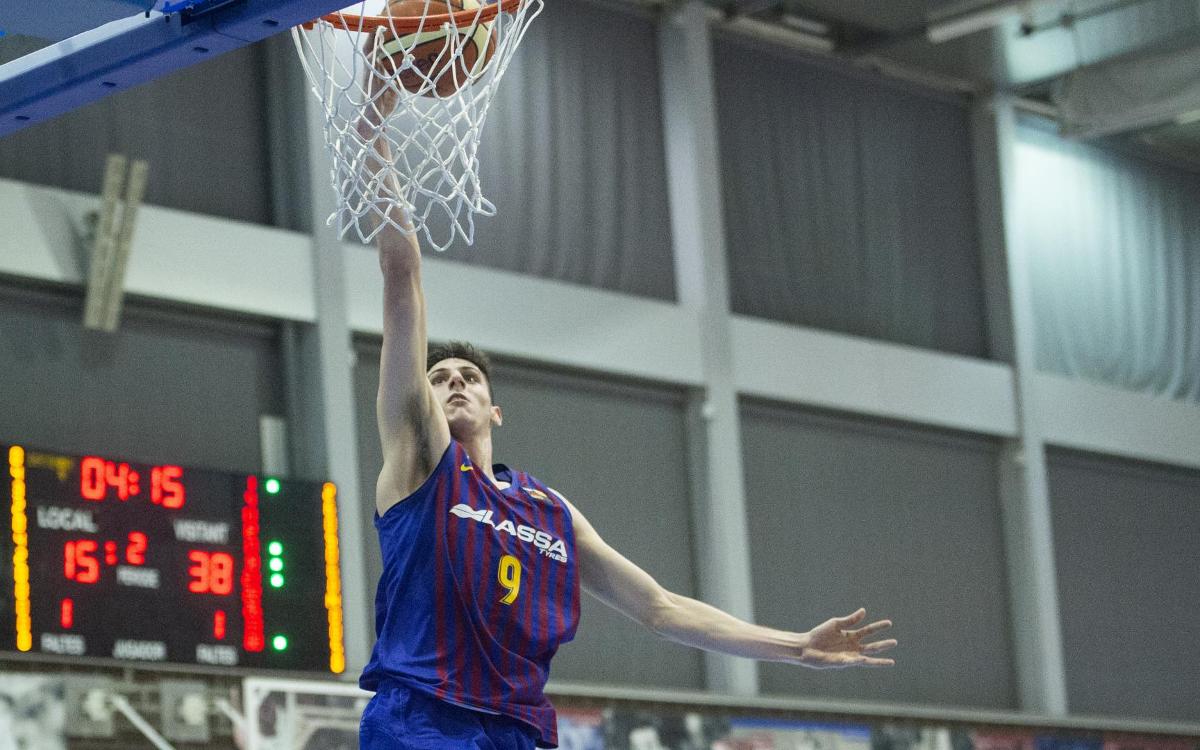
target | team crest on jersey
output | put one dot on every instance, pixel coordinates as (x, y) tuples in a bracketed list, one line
[(547, 545), (536, 494)]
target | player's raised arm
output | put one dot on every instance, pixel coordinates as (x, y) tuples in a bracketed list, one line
[(412, 427), (610, 577)]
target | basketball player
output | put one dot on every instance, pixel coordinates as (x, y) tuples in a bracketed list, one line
[(482, 564)]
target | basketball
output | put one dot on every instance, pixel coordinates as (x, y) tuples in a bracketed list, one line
[(447, 56)]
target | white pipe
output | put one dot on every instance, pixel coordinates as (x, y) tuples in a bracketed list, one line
[(143, 726), (952, 25), (693, 700), (104, 245), (231, 713), (114, 296), (781, 34)]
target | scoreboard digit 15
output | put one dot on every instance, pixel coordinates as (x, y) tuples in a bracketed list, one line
[(112, 559)]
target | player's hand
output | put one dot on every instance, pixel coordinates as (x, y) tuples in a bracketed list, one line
[(837, 644), (380, 88)]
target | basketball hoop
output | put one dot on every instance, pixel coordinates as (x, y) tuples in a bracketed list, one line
[(404, 94)]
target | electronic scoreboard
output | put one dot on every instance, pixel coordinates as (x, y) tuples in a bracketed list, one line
[(112, 559)]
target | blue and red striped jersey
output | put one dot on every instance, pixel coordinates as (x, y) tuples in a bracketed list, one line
[(479, 589)]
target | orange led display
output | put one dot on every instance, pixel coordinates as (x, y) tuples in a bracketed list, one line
[(20, 537), (333, 579)]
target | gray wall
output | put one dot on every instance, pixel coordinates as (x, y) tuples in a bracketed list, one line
[(1127, 538), (166, 387), (846, 512), (617, 451)]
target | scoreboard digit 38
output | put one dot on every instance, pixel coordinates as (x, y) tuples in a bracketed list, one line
[(111, 559)]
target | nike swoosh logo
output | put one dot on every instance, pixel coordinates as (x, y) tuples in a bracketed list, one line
[(465, 467)]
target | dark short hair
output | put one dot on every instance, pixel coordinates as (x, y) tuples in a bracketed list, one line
[(461, 350)]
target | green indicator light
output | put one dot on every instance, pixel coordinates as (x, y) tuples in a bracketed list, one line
[(275, 548), (275, 564), (272, 486), (279, 642), (277, 580)]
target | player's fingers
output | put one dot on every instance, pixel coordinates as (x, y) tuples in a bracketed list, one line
[(851, 619), (872, 629), (869, 662), (879, 646)]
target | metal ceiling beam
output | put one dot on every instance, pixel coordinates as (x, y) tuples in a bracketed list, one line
[(753, 7), (1129, 94), (1071, 17), (972, 17)]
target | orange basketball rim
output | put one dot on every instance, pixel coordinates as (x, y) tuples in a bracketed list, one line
[(412, 24)]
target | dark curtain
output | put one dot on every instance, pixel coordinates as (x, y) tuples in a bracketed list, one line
[(572, 155), (849, 202)]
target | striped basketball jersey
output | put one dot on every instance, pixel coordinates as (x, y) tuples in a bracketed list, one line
[(479, 589)]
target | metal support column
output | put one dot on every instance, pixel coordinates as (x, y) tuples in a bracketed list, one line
[(327, 441), (697, 226), (1024, 490)]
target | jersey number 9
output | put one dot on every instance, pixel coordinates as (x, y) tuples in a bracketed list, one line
[(509, 576)]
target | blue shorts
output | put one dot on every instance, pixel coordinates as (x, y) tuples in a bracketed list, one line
[(399, 718)]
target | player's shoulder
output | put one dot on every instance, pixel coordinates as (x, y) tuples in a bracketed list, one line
[(559, 499), (538, 490), (392, 490)]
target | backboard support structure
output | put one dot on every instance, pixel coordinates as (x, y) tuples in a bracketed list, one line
[(123, 53), (66, 18), (284, 714)]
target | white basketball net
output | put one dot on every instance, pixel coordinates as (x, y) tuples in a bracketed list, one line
[(413, 166)]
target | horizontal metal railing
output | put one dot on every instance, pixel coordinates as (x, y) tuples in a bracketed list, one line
[(868, 711)]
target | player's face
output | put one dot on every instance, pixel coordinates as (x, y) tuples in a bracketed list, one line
[(462, 391)]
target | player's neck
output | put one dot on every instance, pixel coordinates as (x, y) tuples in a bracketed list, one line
[(479, 448)]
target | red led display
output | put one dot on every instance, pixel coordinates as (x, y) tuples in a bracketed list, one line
[(79, 561), (253, 638), (135, 552), (67, 613), (219, 624), (166, 487), (91, 476), (210, 573), (97, 476)]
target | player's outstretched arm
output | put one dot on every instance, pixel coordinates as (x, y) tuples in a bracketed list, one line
[(412, 428), (607, 575)]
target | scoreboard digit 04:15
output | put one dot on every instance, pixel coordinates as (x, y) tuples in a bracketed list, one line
[(112, 559)]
